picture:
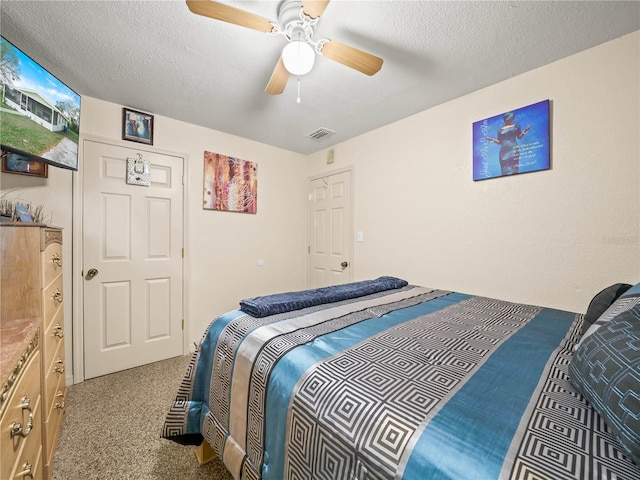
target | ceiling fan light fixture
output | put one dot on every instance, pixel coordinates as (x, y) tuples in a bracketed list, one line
[(298, 57)]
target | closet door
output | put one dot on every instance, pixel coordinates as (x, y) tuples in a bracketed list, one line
[(330, 232)]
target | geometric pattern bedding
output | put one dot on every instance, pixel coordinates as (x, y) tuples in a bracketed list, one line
[(412, 383), (606, 370)]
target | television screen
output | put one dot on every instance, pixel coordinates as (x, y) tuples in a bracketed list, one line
[(39, 115)]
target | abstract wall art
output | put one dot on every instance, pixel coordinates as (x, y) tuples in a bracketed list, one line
[(230, 184)]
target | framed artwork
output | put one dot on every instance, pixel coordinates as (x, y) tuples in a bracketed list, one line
[(230, 184), (513, 142), (14, 163), (23, 213), (137, 126)]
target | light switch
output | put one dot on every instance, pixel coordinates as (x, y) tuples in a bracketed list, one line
[(360, 236)]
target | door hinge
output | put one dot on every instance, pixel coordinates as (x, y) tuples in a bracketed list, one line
[(183, 324), (182, 252), (309, 249)]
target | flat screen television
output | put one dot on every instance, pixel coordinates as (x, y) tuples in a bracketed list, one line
[(39, 115)]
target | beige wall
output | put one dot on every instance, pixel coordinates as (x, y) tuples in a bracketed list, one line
[(552, 238)]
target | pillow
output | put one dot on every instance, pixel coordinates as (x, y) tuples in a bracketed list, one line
[(633, 291), (628, 300), (287, 302), (601, 302), (606, 371)]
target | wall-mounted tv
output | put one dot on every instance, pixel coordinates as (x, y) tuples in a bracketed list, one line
[(39, 115)]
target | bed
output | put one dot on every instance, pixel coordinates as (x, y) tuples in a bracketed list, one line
[(381, 379)]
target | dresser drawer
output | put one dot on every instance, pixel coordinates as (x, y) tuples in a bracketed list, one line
[(51, 263), (52, 426), (30, 459), (27, 394), (53, 338), (51, 301), (54, 373)]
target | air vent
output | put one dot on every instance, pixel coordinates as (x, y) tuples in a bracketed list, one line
[(320, 133)]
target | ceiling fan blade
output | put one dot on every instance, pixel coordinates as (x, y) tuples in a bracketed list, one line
[(278, 79), (352, 57), (227, 13), (314, 8)]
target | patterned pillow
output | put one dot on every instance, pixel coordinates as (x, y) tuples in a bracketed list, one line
[(626, 301), (633, 291), (602, 301), (606, 371)]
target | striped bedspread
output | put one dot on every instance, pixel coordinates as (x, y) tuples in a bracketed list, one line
[(411, 383)]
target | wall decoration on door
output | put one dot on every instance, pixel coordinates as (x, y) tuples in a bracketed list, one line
[(137, 126), (517, 141), (138, 171), (230, 184)]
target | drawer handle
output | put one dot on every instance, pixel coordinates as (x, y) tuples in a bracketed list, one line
[(57, 296), (60, 366), (26, 403), (56, 260), (26, 470), (16, 428), (58, 331), (59, 405)]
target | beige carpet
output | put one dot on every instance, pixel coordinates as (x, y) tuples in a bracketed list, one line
[(112, 425)]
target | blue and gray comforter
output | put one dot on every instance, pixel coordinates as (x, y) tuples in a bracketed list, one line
[(403, 383)]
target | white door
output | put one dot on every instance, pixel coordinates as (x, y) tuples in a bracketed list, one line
[(132, 260), (330, 231)]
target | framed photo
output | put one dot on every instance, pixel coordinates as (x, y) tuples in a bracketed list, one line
[(23, 213), (513, 142), (137, 126), (21, 165)]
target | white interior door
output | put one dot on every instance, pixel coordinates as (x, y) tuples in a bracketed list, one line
[(330, 231), (132, 260)]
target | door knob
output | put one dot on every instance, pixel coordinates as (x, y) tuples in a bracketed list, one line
[(344, 264), (91, 273)]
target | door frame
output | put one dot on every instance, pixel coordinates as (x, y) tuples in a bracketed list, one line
[(351, 170), (77, 248)]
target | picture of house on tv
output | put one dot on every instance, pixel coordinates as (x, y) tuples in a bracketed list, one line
[(40, 115)]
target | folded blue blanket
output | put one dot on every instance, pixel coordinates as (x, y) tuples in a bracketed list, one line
[(287, 302)]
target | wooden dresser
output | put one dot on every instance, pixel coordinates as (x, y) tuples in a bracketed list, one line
[(32, 385)]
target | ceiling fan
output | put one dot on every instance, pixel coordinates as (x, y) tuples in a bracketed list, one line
[(296, 22)]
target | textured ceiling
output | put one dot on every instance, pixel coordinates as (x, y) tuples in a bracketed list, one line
[(158, 57)]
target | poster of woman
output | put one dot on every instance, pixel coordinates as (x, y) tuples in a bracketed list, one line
[(512, 142)]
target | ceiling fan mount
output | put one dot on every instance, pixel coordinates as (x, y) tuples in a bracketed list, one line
[(296, 21), (291, 16)]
